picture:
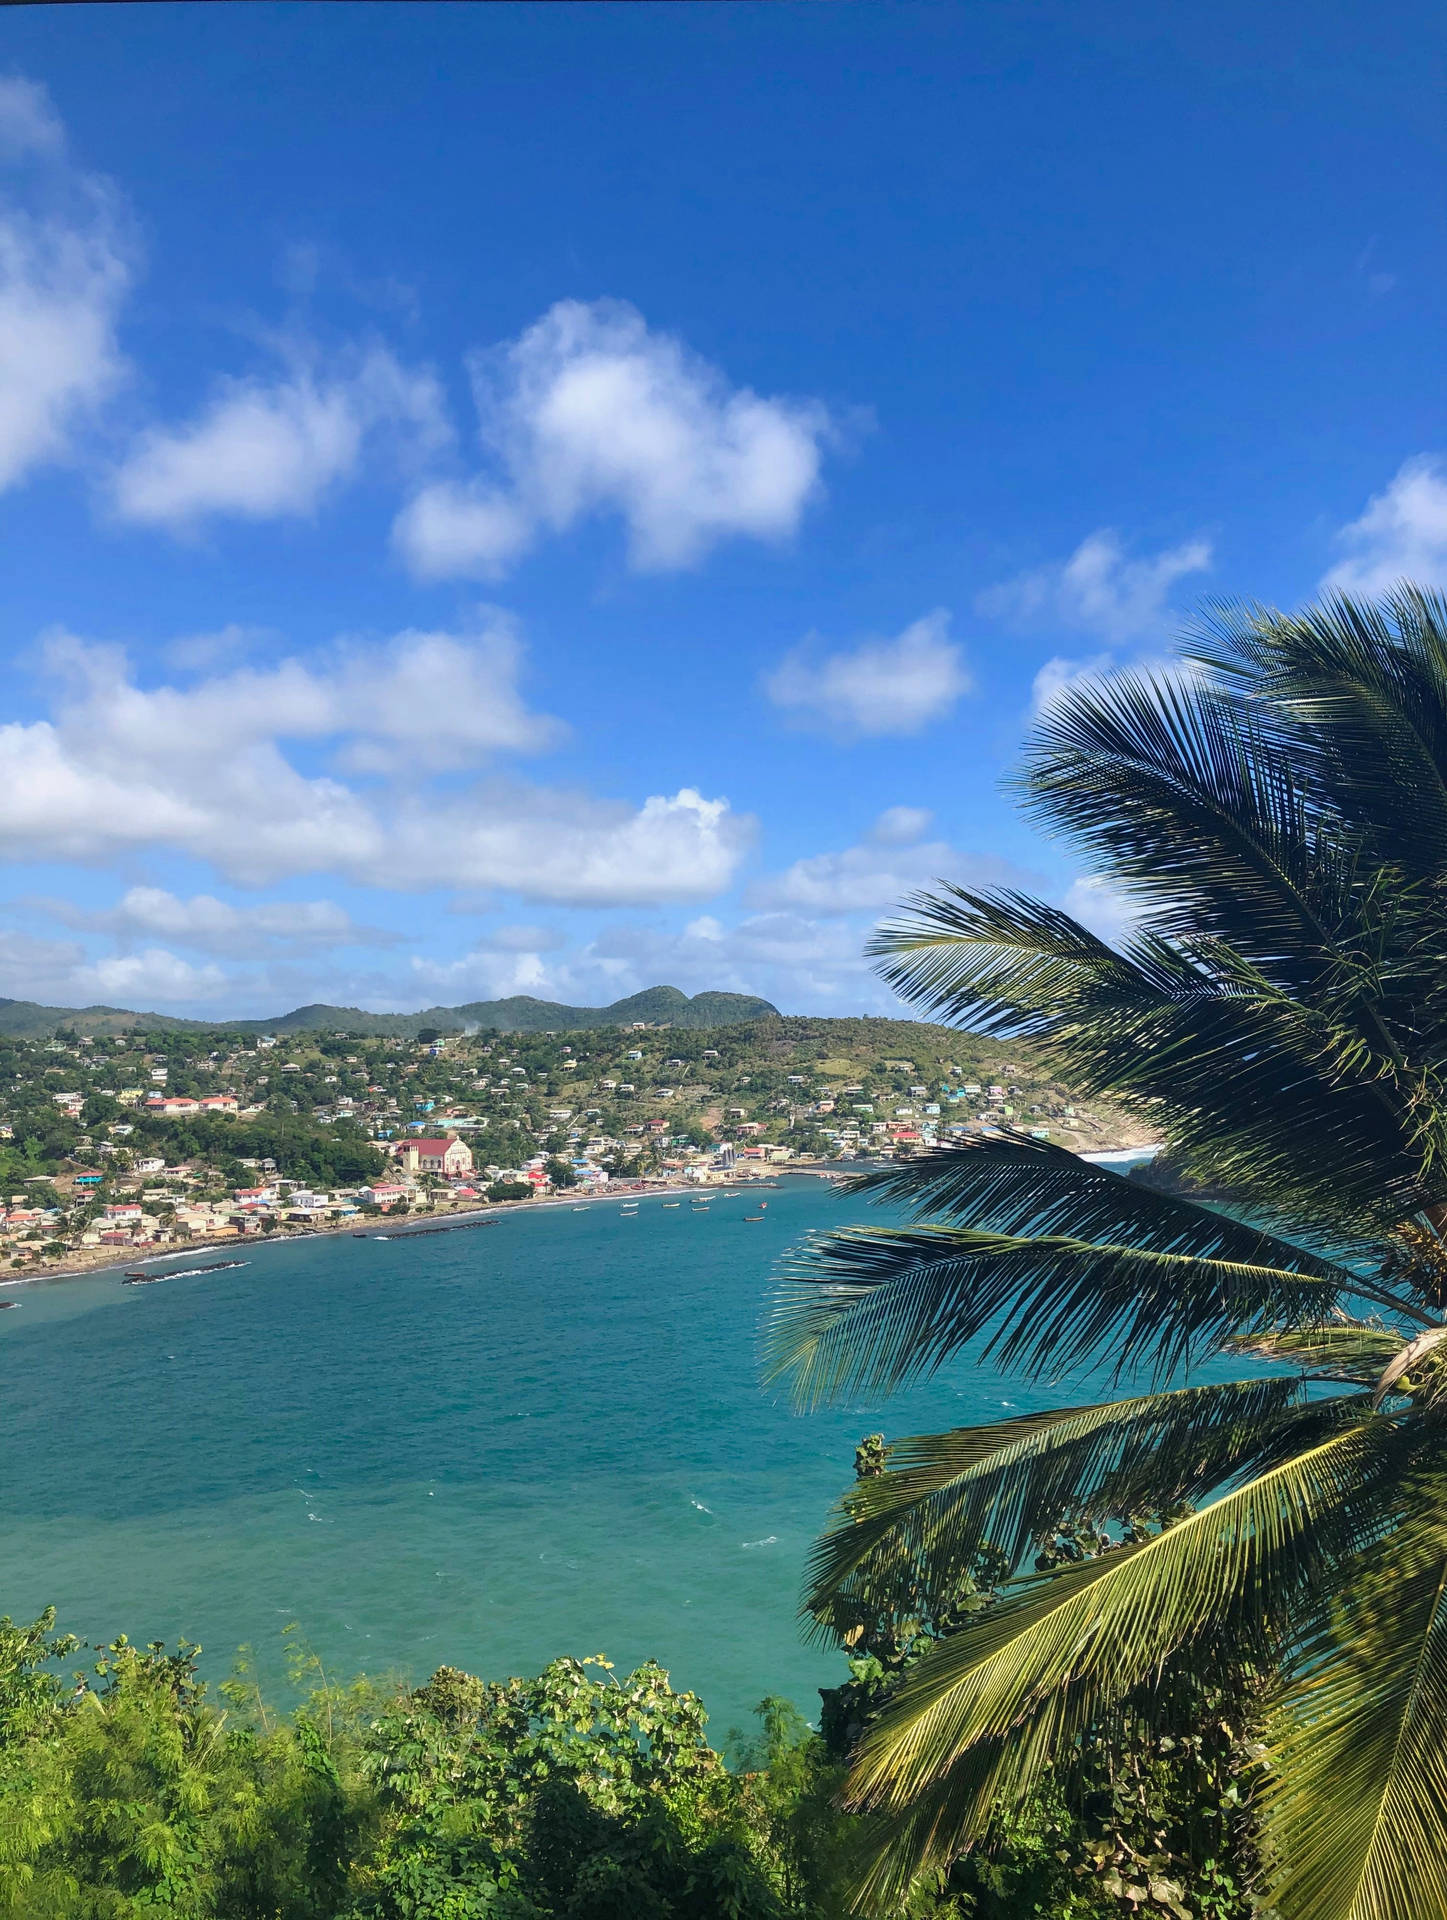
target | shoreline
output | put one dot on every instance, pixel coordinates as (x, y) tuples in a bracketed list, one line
[(404, 1227), (411, 1225)]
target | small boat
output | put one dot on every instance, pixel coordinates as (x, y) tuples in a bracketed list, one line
[(8, 1303), (673, 1203), (580, 1209), (750, 1218)]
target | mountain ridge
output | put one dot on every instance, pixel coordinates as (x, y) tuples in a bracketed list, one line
[(520, 1013)]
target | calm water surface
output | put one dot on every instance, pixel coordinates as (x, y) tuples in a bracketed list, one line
[(482, 1448)]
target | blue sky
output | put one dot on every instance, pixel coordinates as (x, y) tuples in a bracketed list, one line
[(558, 499)]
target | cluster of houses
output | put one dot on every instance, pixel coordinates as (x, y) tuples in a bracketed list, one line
[(919, 1124), (19, 1218), (275, 1201), (168, 1106)]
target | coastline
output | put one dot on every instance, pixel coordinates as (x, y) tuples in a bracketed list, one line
[(410, 1225), (405, 1226)]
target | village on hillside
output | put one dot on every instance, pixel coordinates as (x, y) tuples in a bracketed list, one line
[(110, 1143)]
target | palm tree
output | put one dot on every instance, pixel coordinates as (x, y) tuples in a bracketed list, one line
[(1274, 817)]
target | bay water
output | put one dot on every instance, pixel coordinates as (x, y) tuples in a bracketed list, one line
[(480, 1449)]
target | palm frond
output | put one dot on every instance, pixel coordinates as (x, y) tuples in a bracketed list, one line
[(1015, 1183), (1365, 684), (897, 1846), (902, 1844), (1068, 1644), (1179, 791), (1003, 962), (1345, 1350), (862, 1310), (1310, 1105), (946, 1496), (1354, 1808)]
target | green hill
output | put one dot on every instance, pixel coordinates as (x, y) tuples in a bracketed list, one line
[(658, 1006), (28, 1020)]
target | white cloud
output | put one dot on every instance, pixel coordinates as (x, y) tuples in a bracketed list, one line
[(881, 687), (488, 972), (266, 448), (198, 652), (422, 701), (590, 411), (201, 770), (468, 531), (892, 861), (137, 980), (901, 826), (796, 961), (32, 969), (550, 844), (789, 958), (1058, 675), (217, 926), (58, 972), (1099, 589), (65, 266), (1401, 536)]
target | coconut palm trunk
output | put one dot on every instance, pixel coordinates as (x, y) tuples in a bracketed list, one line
[(1273, 820)]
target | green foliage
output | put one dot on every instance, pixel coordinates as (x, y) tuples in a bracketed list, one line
[(576, 1795), (567, 1795), (134, 1795), (323, 1157)]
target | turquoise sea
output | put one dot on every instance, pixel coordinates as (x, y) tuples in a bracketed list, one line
[(485, 1449)]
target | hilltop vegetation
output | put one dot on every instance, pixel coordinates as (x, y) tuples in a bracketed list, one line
[(28, 1019)]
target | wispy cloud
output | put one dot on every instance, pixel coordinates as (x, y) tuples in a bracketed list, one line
[(881, 687), (66, 262), (208, 925), (1099, 590), (1102, 907), (877, 873)]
